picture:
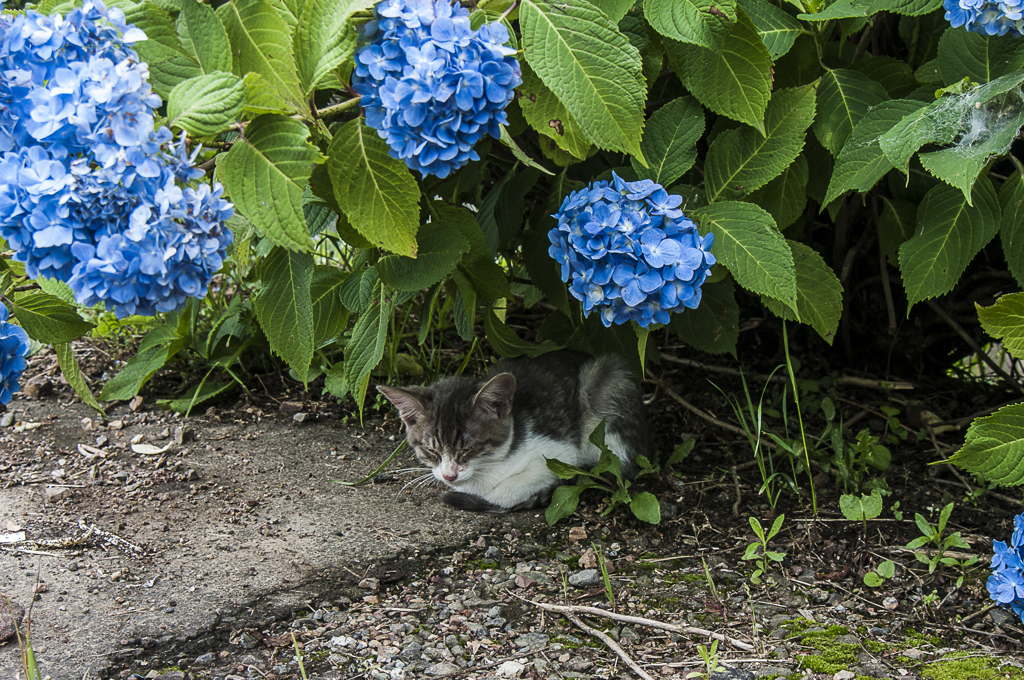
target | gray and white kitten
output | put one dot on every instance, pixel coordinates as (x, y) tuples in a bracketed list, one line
[(487, 439)]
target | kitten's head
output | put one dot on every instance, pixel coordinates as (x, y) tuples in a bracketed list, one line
[(454, 424)]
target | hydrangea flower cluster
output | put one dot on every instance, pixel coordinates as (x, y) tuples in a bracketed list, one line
[(90, 192), (986, 17), (1006, 584), (630, 252), (13, 349), (431, 85)]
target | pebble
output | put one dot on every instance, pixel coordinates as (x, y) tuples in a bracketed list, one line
[(57, 493), (443, 669), (204, 660), (586, 578), (7, 419)]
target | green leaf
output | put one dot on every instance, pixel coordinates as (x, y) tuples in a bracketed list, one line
[(366, 348), (329, 316), (688, 21), (859, 509), (206, 36), (778, 30), (548, 116), (169, 63), (563, 503), (507, 344), (891, 73), (841, 9), (819, 293), (670, 141), (742, 160), (965, 54), (785, 197), (477, 264), (915, 130), (735, 79), (861, 163), (713, 327), (520, 155), (440, 248), (261, 42), (645, 507), (376, 192), (324, 38), (590, 66), (563, 470), (284, 307), (157, 348), (71, 372), (895, 225), (1011, 230), (1004, 321), (910, 8), (358, 289), (48, 319), (196, 395), (994, 447), (844, 97), (544, 271), (750, 246), (206, 105), (950, 232), (265, 173)]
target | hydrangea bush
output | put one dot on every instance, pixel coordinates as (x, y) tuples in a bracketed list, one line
[(985, 17), (1006, 584), (629, 252), (432, 86), (13, 350), (91, 192)]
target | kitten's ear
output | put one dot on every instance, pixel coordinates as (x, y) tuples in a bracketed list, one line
[(495, 398), (410, 409)]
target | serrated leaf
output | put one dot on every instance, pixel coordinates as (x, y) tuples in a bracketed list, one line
[(548, 116), (785, 197), (861, 163), (358, 289), (265, 173), (915, 130), (366, 348), (478, 265), (911, 8), (688, 21), (1004, 321), (778, 30), (206, 105), (169, 63), (844, 97), (262, 43), (994, 447), (670, 141), (284, 307), (751, 247), (329, 316), (735, 79), (590, 66), (819, 293), (157, 348), (895, 225), (206, 35), (1011, 230), (48, 319), (375, 191), (950, 232), (965, 54), (891, 73), (73, 374), (440, 249), (507, 344), (324, 38), (742, 160), (841, 9)]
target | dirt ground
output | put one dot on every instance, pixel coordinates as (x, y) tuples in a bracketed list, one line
[(151, 541)]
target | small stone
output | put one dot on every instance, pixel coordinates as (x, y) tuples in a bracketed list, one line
[(412, 651), (441, 670), (301, 417), (890, 603), (183, 434), (87, 424), (511, 669), (586, 578), (9, 625), (577, 534), (204, 660), (37, 388), (844, 675), (532, 640), (57, 493), (115, 425), (138, 439), (7, 419), (290, 407), (135, 403), (370, 584), (493, 553)]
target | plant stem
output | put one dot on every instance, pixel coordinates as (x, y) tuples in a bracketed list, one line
[(800, 417)]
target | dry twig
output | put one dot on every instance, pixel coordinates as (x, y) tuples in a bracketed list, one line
[(612, 645)]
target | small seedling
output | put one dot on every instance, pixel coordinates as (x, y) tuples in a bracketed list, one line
[(867, 506), (765, 555), (963, 565), (932, 533), (298, 657), (711, 665), (886, 570), (609, 593)]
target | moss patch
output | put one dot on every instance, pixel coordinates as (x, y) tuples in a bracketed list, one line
[(970, 668)]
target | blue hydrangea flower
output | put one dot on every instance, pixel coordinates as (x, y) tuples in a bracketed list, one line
[(13, 350), (985, 17), (431, 85), (91, 193), (628, 252), (1006, 584)]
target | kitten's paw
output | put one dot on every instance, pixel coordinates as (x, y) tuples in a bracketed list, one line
[(465, 501)]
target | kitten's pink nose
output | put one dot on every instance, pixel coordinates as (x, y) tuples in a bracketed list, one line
[(450, 476)]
